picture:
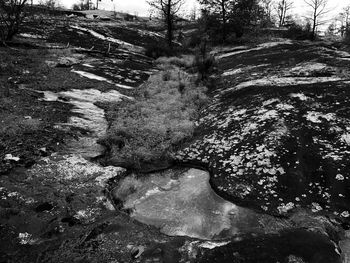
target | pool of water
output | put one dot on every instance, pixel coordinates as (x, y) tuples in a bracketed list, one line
[(185, 205)]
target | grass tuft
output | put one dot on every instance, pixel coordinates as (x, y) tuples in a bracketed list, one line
[(160, 119)]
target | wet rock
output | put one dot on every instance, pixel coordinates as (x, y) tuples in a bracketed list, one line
[(182, 203)]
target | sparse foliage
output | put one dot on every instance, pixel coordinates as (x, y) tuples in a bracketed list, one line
[(318, 12), (267, 6), (169, 10), (283, 7), (11, 16), (50, 4), (344, 19), (232, 16), (221, 10)]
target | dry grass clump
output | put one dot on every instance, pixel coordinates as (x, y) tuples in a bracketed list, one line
[(184, 61), (148, 129), (126, 187)]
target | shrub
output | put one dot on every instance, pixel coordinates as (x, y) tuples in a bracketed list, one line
[(298, 32), (184, 61), (156, 51), (11, 17), (127, 186), (149, 129), (194, 40)]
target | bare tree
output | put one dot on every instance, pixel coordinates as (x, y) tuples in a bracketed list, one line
[(222, 9), (193, 13), (283, 7), (344, 19), (318, 11), (267, 4), (11, 17), (169, 10)]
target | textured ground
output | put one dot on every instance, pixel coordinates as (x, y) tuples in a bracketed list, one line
[(275, 139), (276, 135)]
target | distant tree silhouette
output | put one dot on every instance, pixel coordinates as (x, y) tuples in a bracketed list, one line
[(233, 15), (283, 7), (169, 9), (221, 9), (318, 11), (344, 19)]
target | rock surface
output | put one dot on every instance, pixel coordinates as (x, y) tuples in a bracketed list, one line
[(274, 141)]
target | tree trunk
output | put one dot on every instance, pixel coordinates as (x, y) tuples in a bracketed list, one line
[(224, 22), (314, 25), (169, 20)]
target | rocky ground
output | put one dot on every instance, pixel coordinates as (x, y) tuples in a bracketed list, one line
[(271, 152)]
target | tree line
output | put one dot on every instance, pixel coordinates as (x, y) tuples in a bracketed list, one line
[(225, 17), (219, 17)]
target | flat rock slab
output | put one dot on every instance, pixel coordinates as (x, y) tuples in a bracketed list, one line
[(279, 147)]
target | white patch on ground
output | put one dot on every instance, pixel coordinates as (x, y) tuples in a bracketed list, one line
[(26, 239), (339, 177), (72, 168), (88, 65), (308, 68), (316, 117), (242, 70), (266, 115), (283, 81), (346, 138), (316, 207), (232, 72), (284, 208), (342, 55), (99, 78), (270, 101), (300, 96), (212, 245), (10, 157), (284, 107), (89, 116), (87, 215), (345, 214), (221, 49), (26, 35), (259, 47), (109, 39)]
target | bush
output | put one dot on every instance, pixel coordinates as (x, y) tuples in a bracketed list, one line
[(298, 32), (11, 17), (149, 129), (184, 61), (156, 51), (204, 62), (194, 40)]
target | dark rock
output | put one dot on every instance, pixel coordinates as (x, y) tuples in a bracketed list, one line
[(71, 220), (288, 246), (44, 207)]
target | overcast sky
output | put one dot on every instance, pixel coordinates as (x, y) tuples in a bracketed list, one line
[(141, 7)]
